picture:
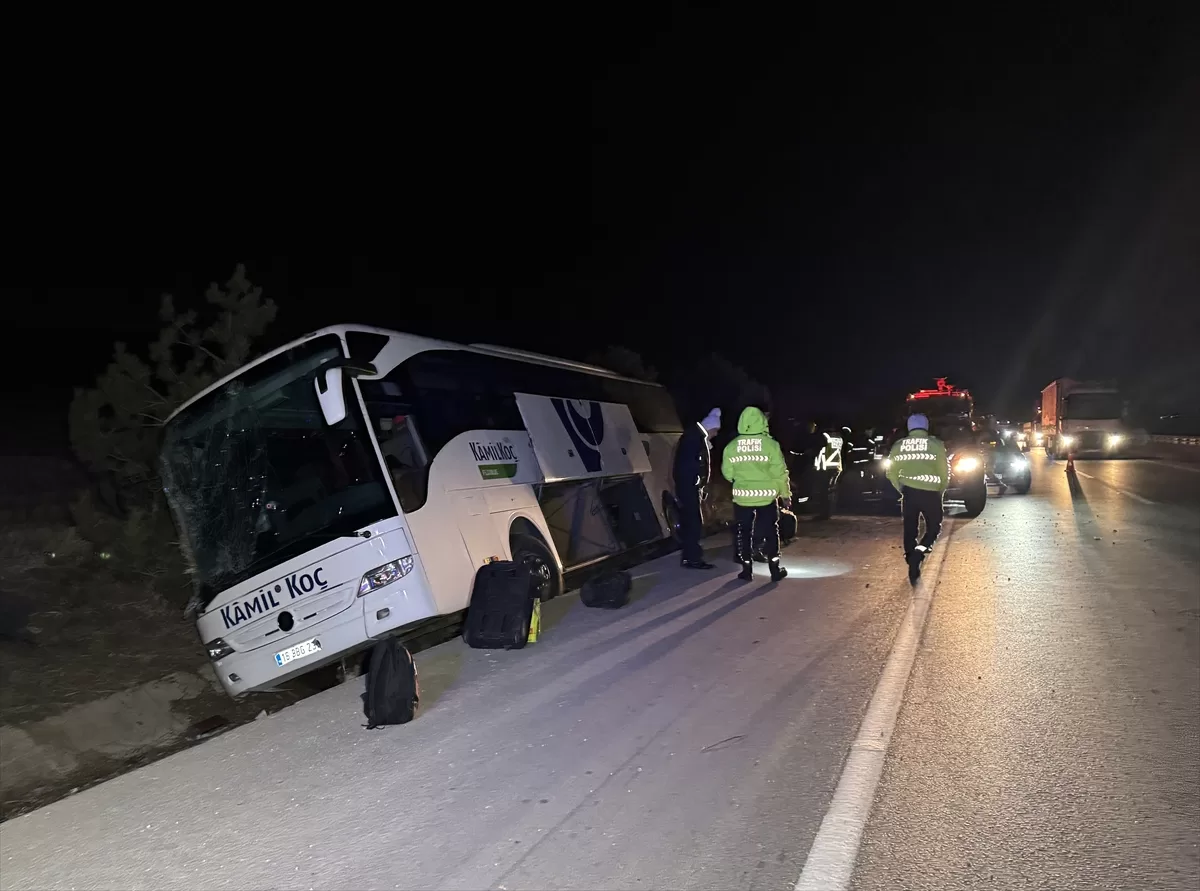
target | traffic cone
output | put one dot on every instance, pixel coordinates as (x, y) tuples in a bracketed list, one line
[(1070, 462)]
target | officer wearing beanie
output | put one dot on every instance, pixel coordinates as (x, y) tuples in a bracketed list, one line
[(693, 469), (920, 472), (753, 462)]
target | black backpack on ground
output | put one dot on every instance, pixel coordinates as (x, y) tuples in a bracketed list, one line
[(788, 525), (609, 590), (501, 607), (392, 694)]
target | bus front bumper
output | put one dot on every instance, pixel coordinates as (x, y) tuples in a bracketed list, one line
[(368, 618)]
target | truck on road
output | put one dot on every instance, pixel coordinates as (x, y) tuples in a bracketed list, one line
[(1084, 417)]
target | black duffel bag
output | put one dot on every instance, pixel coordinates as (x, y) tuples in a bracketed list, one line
[(609, 590)]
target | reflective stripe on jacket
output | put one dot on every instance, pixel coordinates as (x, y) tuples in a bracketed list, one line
[(753, 462), (919, 462)]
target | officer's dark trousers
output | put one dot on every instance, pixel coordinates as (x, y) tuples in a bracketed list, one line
[(921, 503), (757, 524), (690, 524)]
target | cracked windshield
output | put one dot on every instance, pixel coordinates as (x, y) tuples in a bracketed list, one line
[(254, 474)]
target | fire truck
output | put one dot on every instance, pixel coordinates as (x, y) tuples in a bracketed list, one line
[(951, 414)]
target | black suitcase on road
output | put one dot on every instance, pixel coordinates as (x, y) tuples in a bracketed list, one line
[(501, 607), (609, 590)]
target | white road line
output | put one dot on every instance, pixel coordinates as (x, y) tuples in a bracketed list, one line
[(1190, 468), (1119, 491), (830, 862)]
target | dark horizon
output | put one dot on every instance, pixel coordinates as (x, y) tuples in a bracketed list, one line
[(989, 201)]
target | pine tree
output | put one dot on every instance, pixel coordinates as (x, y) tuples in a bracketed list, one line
[(114, 426), (624, 361), (712, 382)]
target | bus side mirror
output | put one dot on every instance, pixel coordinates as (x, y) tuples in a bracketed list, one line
[(331, 396)]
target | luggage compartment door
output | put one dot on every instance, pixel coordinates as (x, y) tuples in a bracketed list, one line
[(582, 439)]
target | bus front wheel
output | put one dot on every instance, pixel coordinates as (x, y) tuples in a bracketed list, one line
[(533, 553)]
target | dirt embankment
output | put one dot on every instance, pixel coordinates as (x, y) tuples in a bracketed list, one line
[(99, 671)]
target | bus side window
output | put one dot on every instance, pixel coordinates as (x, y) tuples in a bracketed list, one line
[(400, 444)]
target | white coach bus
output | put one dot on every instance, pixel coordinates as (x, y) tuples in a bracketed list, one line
[(348, 486)]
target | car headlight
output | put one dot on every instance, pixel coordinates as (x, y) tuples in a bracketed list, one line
[(1068, 440), (1114, 440), (1019, 464), (385, 575), (966, 465), (887, 462)]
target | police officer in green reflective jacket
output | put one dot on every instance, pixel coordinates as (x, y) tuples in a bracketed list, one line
[(753, 462), (920, 472)]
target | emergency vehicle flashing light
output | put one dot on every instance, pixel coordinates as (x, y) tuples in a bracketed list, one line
[(943, 389)]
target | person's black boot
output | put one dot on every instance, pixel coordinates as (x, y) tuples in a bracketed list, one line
[(914, 564), (778, 573), (695, 564), (747, 573)]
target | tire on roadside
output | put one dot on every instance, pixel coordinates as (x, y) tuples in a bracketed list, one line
[(976, 500)]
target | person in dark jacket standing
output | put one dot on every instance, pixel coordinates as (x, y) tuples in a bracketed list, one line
[(693, 469)]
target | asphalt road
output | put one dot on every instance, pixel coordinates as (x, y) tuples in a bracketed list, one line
[(1049, 736)]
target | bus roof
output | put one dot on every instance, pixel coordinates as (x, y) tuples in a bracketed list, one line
[(418, 344)]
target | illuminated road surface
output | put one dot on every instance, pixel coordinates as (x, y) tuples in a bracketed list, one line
[(1049, 736)]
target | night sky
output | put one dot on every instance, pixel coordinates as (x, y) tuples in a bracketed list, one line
[(846, 208)]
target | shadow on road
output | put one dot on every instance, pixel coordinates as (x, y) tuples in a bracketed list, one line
[(582, 655), (664, 646), (1082, 510)]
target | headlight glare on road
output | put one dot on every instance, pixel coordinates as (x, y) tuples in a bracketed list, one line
[(966, 465)]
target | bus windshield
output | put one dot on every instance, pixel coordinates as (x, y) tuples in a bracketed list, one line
[(254, 476)]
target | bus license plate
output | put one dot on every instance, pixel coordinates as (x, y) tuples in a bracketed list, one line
[(299, 651)]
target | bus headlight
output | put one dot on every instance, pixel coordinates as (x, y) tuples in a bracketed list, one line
[(966, 465), (218, 649), (1068, 441), (1114, 440), (385, 575)]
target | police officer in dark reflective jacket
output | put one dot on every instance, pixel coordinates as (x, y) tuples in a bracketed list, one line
[(693, 470)]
